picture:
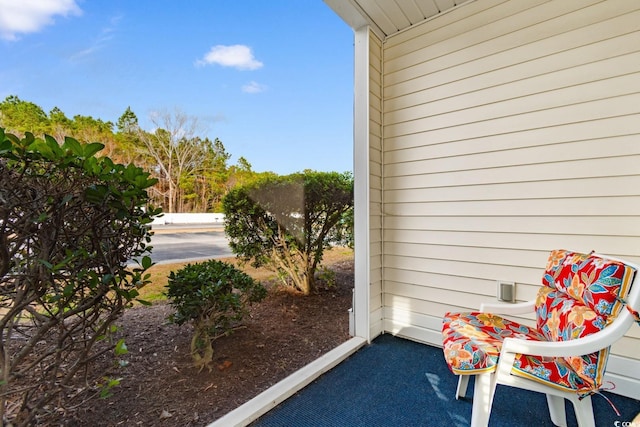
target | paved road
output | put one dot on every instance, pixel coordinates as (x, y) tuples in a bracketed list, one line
[(174, 244)]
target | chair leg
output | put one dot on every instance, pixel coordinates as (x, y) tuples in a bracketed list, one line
[(482, 399), (556, 410), (584, 411), (463, 381)]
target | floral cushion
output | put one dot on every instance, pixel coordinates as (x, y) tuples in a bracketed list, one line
[(594, 282), (472, 341), (580, 296)]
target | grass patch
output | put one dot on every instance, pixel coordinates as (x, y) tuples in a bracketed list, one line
[(155, 291)]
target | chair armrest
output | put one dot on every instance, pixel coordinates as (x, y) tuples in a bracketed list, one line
[(576, 347), (500, 308)]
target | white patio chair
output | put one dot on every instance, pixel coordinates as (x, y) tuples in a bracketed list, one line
[(583, 307)]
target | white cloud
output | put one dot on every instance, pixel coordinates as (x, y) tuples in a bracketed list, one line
[(253, 87), (30, 16), (237, 56)]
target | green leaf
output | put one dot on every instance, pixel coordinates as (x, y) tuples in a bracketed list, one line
[(73, 145), (91, 149), (121, 348), (41, 147), (146, 262), (53, 145), (46, 263), (5, 144), (96, 193)]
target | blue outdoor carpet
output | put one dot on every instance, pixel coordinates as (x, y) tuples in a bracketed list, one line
[(397, 382)]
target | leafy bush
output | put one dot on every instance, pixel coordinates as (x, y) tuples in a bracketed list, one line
[(285, 223), (70, 223), (213, 296)]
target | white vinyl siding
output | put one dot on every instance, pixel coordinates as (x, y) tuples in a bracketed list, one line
[(375, 184), (509, 128)]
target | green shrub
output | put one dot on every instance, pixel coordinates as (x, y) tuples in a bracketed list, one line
[(70, 222), (214, 297), (284, 223)]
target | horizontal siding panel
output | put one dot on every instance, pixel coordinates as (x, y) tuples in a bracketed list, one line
[(487, 272), (375, 165), (375, 156), (611, 245), (625, 366), (596, 225), (375, 95), (375, 115), (375, 182), (445, 280), (409, 283), (496, 256), (375, 169), (419, 119), (447, 86), (376, 278), (634, 332), (483, 85), (377, 328), (375, 302), (426, 300), (477, 34), (375, 222), (423, 335), (376, 315), (438, 307), (595, 81), (595, 110), (577, 169), (588, 187), (613, 206), (375, 197), (550, 36), (409, 303), (626, 347), (375, 259), (375, 293), (375, 89), (440, 159), (375, 58), (432, 129), (375, 237), (627, 124), (415, 319)]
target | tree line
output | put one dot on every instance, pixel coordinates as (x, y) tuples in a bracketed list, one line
[(193, 172)]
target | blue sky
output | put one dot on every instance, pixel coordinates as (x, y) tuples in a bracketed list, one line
[(273, 80)]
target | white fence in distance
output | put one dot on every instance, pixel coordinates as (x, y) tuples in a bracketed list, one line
[(189, 218)]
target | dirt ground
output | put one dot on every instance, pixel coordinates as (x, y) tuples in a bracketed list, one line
[(160, 387)]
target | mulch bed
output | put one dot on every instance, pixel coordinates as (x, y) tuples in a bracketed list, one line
[(160, 386)]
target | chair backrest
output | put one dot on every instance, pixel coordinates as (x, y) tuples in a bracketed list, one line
[(581, 295)]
